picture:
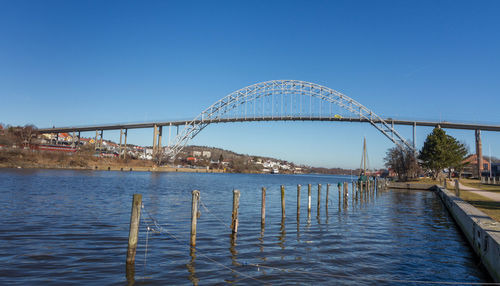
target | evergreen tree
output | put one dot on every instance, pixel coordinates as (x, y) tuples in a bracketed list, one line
[(442, 151)]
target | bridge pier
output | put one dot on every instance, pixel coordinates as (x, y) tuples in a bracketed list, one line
[(415, 136), (155, 135), (479, 153), (95, 141), (121, 146), (78, 142), (125, 153), (100, 142), (160, 132)]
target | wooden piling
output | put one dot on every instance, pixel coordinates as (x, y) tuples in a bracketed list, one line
[(319, 198), (309, 199), (263, 208), (298, 202), (194, 216), (457, 188), (282, 202), (339, 186), (133, 234), (234, 217), (327, 194)]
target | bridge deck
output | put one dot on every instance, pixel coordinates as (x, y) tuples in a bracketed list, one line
[(444, 124)]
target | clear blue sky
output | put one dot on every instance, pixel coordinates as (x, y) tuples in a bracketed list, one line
[(90, 62)]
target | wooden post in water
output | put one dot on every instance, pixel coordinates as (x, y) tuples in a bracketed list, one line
[(234, 216), (133, 234), (457, 188), (194, 216), (327, 194), (263, 208), (339, 186), (282, 202), (354, 194), (346, 191), (319, 198), (309, 200), (298, 202)]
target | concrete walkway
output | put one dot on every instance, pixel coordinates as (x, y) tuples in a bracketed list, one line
[(491, 195)]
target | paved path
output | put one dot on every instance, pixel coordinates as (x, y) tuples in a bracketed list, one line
[(491, 195)]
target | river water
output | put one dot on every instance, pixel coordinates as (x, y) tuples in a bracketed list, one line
[(71, 227)]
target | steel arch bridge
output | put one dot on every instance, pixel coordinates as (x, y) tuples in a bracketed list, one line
[(282, 100)]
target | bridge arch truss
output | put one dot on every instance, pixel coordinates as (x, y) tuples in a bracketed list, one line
[(278, 100)]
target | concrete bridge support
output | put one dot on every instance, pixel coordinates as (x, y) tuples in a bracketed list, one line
[(125, 153), (123, 150), (95, 139), (415, 136), (98, 139), (479, 153), (160, 131), (157, 135)]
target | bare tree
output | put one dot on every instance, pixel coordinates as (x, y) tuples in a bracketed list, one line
[(403, 162)]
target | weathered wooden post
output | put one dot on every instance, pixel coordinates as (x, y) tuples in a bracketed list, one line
[(234, 216), (319, 198), (263, 208), (282, 202), (133, 234), (298, 202), (346, 192), (327, 194), (339, 185), (308, 199), (457, 188), (194, 216)]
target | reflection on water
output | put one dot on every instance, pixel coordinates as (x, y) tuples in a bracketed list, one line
[(62, 227)]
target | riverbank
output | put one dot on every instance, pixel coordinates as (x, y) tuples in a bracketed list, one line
[(27, 159)]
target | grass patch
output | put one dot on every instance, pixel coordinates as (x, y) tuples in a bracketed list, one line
[(484, 204), (477, 184)]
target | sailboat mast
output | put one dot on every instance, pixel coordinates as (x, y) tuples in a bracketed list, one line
[(364, 155)]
